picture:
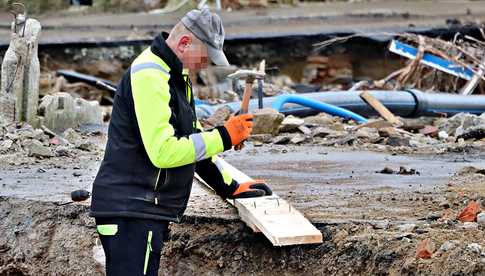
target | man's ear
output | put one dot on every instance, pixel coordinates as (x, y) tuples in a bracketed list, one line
[(184, 43)]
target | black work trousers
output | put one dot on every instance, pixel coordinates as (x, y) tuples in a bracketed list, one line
[(132, 246)]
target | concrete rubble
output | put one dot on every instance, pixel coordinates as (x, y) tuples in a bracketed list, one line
[(61, 111), (19, 92)]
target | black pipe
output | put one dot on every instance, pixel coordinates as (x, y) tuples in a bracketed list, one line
[(410, 103)]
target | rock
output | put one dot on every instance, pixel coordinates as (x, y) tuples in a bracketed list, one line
[(321, 132), (72, 136), (36, 149), (429, 131), (305, 130), (416, 124), (383, 224), (219, 117), (475, 248), (407, 227), (442, 135), (404, 236), (367, 133), (406, 171), (322, 119), (261, 138), (425, 249), (87, 146), (455, 125), (386, 170), (469, 214), (267, 121), (445, 204), (76, 174), (474, 132), (5, 145), (470, 170), (387, 132), (62, 151), (447, 246), (290, 123), (481, 219), (281, 140), (298, 139), (470, 225), (397, 141)]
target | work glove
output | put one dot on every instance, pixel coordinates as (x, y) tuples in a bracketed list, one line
[(239, 128), (252, 188)]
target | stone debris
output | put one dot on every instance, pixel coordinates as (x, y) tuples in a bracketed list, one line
[(21, 138), (267, 121), (469, 214), (448, 245), (481, 219), (417, 135), (475, 248), (425, 249), (291, 123)]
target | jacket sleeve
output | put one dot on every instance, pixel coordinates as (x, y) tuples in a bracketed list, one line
[(215, 176), (151, 96)]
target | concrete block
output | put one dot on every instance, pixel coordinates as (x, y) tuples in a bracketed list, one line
[(19, 94), (61, 111)]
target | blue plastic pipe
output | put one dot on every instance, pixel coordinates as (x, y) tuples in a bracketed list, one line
[(317, 105)]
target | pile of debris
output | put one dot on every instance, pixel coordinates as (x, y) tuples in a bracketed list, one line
[(458, 133), (23, 140)]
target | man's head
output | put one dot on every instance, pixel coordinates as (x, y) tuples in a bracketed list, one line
[(198, 37)]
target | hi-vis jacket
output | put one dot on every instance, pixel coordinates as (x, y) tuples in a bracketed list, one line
[(154, 143)]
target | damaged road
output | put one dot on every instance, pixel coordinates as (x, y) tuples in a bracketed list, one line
[(371, 222)]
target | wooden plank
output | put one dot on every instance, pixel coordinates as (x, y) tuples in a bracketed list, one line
[(281, 223), (380, 108)]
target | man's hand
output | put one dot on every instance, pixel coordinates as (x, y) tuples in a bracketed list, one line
[(239, 128), (253, 188)]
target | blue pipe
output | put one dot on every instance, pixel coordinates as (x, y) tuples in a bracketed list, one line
[(317, 105)]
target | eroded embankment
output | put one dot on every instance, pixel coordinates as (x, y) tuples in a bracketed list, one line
[(40, 238)]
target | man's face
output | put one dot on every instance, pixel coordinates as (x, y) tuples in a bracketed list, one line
[(195, 57)]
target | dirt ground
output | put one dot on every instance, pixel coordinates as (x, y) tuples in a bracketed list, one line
[(371, 222)]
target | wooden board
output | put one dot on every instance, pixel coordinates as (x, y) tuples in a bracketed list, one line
[(380, 108), (280, 222)]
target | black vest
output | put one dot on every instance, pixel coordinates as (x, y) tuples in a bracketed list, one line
[(126, 181)]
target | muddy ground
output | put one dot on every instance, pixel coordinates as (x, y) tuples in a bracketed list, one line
[(371, 222)]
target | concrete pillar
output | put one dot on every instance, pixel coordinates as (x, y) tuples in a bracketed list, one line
[(19, 93)]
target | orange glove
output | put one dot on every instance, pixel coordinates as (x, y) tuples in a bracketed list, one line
[(239, 128), (253, 188)]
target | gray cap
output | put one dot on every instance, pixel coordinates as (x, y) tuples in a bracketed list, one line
[(207, 27)]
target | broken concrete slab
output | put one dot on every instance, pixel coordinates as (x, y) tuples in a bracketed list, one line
[(456, 125), (290, 123), (19, 94), (37, 149), (61, 111), (267, 121)]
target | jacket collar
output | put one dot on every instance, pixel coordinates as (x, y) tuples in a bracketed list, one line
[(160, 48)]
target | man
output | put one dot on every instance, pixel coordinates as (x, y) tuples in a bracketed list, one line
[(155, 145)]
